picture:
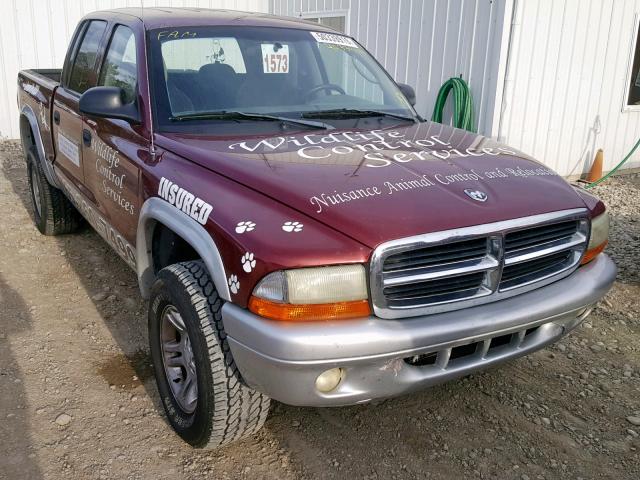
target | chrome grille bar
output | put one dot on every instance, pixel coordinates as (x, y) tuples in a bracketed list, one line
[(458, 268), (487, 262), (576, 240)]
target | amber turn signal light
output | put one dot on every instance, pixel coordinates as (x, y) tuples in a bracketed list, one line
[(309, 312), (598, 237), (593, 253)]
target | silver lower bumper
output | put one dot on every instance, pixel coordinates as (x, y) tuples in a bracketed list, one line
[(385, 358)]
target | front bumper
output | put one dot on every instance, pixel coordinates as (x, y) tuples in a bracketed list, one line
[(385, 358)]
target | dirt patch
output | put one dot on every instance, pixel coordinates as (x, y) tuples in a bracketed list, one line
[(77, 397), (126, 371)]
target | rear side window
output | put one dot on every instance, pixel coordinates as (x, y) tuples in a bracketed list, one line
[(85, 60), (119, 68)]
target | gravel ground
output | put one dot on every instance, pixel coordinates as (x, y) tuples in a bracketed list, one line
[(77, 399)]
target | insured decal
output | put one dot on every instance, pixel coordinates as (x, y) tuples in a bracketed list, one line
[(185, 201)]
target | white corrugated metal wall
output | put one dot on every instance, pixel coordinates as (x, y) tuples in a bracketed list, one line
[(551, 84), (566, 82), (548, 76), (425, 42), (35, 34)]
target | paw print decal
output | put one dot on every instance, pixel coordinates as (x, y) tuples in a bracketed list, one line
[(248, 262), (234, 284), (292, 227), (245, 226)]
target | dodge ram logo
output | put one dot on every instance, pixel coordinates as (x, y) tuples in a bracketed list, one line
[(477, 195)]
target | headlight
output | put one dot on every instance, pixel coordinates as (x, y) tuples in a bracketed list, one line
[(598, 238), (322, 293)]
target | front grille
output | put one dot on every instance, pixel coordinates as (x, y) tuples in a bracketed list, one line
[(435, 290), (536, 253), (429, 269), (436, 255), (519, 273), (463, 267), (534, 237)]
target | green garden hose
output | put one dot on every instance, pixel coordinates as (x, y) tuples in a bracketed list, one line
[(593, 184), (462, 104), (463, 115)]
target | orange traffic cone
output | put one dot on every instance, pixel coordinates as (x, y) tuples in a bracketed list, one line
[(595, 173)]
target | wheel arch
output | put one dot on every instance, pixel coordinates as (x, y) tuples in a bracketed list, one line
[(156, 212), (30, 136)]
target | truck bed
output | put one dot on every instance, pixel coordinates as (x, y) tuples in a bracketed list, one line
[(36, 88), (47, 77)]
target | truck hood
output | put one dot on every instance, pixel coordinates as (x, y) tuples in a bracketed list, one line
[(382, 184)]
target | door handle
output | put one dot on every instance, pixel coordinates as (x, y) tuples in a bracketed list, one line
[(56, 117), (86, 137)]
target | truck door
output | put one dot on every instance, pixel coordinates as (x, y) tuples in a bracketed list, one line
[(79, 75), (113, 150)]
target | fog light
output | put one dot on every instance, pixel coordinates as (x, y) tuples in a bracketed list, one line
[(329, 379)]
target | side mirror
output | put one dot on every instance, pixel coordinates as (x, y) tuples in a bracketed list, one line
[(108, 102), (408, 92)]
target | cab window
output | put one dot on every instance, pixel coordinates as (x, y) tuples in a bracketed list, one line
[(119, 68), (203, 73), (85, 60)]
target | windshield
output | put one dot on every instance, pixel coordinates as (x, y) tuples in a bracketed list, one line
[(208, 74)]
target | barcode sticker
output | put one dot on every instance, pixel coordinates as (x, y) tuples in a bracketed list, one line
[(275, 58), (334, 39)]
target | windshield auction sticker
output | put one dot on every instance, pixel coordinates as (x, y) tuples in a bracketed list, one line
[(275, 58), (334, 39)]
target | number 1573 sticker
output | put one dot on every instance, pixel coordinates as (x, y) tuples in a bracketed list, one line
[(275, 58)]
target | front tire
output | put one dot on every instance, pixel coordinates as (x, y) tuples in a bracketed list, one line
[(200, 386)]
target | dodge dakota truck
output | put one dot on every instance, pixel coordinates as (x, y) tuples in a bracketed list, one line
[(300, 232)]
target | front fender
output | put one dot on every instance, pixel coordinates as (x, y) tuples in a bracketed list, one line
[(155, 210)]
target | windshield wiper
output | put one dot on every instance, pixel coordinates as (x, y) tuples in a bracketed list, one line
[(237, 115), (355, 113)]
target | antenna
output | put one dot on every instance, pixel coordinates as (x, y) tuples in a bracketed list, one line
[(152, 147)]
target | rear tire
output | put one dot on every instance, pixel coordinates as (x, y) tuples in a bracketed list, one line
[(185, 304), (53, 213)]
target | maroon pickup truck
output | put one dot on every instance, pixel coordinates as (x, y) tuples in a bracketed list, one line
[(300, 232)]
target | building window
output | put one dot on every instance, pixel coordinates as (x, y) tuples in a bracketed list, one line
[(633, 98), (336, 22)]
